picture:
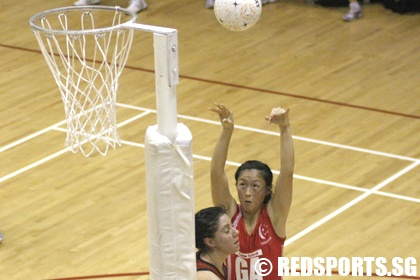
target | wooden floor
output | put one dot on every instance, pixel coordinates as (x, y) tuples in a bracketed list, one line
[(353, 92)]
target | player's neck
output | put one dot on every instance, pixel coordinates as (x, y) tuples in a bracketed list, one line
[(250, 220), (215, 259)]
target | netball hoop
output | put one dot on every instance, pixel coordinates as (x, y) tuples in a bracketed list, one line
[(86, 49), (86, 57)]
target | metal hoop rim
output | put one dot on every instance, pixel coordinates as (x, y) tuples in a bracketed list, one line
[(40, 15)]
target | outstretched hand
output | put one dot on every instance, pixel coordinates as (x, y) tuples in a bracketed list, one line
[(278, 116), (225, 115)]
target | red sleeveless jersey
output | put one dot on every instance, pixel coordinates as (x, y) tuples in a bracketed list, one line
[(262, 243)]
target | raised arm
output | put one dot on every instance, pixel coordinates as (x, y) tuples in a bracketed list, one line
[(219, 182), (279, 205)]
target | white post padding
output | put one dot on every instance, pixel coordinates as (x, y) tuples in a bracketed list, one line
[(170, 204)]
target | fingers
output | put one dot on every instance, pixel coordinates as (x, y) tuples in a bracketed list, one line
[(221, 110), (278, 111), (278, 115), (218, 106)]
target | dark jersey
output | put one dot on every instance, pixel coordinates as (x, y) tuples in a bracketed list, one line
[(203, 265)]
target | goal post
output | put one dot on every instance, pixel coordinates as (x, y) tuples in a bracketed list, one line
[(86, 58), (169, 173)]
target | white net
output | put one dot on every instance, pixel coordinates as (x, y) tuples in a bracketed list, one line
[(86, 50)]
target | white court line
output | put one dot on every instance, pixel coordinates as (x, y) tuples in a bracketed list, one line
[(57, 128), (349, 204), (148, 111), (304, 139), (33, 165), (118, 125), (136, 117), (137, 108), (324, 182), (133, 144), (31, 136)]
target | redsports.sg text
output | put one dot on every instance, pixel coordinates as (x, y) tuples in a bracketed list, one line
[(327, 266)]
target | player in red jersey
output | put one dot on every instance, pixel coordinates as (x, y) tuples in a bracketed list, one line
[(215, 239), (262, 211)]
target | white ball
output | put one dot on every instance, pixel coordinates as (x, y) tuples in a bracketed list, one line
[(237, 15)]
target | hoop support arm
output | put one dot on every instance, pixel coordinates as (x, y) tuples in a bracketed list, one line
[(149, 28)]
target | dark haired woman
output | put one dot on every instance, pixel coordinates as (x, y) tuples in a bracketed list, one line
[(262, 211), (215, 239)]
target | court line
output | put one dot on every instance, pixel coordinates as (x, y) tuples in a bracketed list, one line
[(50, 128), (57, 127), (339, 185), (148, 111), (136, 117), (326, 101), (31, 136), (324, 182), (291, 95), (33, 165), (349, 204), (300, 138), (304, 139)]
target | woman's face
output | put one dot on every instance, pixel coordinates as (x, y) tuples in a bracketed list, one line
[(226, 237), (252, 190)]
